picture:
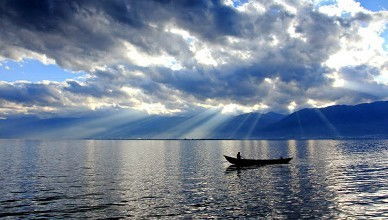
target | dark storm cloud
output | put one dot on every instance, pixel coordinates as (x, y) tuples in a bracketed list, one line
[(43, 16), (81, 34), (97, 90), (93, 36), (359, 73), (30, 93), (209, 19), (293, 60), (89, 90), (360, 79)]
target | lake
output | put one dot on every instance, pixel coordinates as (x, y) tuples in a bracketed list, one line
[(190, 178)]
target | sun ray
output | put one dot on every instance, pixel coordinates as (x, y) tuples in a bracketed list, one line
[(328, 124), (238, 127), (253, 126), (181, 130), (204, 130)]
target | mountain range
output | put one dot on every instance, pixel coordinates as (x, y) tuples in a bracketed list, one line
[(368, 120)]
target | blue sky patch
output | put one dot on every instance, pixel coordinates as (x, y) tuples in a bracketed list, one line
[(34, 71), (237, 3), (385, 36), (374, 5)]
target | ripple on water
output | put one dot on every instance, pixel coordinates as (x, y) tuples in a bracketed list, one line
[(166, 179)]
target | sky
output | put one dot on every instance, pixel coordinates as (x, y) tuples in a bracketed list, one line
[(164, 57)]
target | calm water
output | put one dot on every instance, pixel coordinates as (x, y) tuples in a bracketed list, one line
[(145, 179)]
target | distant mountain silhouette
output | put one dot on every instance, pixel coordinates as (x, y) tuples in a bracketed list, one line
[(35, 127), (340, 121)]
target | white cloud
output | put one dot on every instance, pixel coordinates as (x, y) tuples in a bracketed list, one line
[(319, 103), (291, 107), (140, 58), (363, 46), (238, 109), (204, 56)]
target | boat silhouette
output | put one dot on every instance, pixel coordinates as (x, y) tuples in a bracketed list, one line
[(253, 162)]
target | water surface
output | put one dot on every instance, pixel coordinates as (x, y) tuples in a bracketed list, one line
[(153, 178)]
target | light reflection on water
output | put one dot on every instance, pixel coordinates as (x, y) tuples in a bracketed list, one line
[(99, 179)]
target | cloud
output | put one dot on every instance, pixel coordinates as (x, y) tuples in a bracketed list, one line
[(30, 93), (165, 57)]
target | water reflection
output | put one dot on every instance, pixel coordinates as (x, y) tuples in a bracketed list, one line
[(148, 179), (233, 168)]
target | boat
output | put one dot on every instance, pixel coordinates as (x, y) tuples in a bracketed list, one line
[(252, 162)]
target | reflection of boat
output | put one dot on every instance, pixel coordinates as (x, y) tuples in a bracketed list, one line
[(251, 162), (233, 168)]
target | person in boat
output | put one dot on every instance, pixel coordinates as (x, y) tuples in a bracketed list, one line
[(238, 156)]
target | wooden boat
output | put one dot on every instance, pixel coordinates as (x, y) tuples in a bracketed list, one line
[(251, 162)]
